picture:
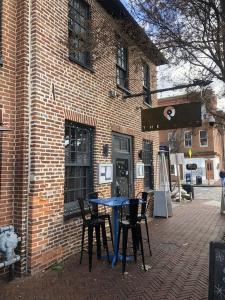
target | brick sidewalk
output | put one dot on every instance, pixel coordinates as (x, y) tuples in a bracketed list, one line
[(179, 265)]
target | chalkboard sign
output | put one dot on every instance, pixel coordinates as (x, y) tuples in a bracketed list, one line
[(217, 271), (191, 167)]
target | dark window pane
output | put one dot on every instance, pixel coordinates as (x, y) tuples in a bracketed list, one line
[(78, 23), (203, 138), (146, 83), (78, 164), (147, 158), (121, 71)]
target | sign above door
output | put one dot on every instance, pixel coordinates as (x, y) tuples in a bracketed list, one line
[(172, 117)]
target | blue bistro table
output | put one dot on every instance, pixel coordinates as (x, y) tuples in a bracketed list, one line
[(115, 203)]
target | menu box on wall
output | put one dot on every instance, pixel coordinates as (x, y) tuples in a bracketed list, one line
[(139, 170), (105, 173)]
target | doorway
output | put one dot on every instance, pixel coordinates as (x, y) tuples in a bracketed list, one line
[(209, 169), (122, 165)]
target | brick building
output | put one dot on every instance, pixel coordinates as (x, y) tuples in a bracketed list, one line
[(206, 142), (67, 115)]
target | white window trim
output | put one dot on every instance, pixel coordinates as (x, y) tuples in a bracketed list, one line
[(203, 146), (188, 131)]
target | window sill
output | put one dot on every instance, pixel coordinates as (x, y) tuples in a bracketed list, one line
[(123, 89), (88, 68)]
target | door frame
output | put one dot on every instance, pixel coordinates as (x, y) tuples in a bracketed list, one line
[(209, 172), (123, 155)]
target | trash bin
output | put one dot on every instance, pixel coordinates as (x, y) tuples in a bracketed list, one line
[(198, 180), (188, 178), (189, 188)]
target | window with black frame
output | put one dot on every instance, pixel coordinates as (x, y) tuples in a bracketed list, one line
[(78, 165), (79, 32), (122, 67), (146, 83), (147, 158)]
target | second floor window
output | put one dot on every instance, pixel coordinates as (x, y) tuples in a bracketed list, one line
[(121, 67), (203, 137), (79, 37), (187, 139), (146, 83)]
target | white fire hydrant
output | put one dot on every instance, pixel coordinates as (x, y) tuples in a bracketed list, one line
[(8, 243)]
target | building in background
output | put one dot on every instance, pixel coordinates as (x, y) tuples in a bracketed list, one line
[(203, 146)]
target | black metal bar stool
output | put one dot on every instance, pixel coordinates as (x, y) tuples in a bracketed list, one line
[(104, 215), (135, 227), (143, 216), (92, 223)]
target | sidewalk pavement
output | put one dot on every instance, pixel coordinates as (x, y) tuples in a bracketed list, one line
[(178, 268)]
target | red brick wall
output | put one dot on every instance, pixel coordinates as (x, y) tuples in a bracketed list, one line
[(14, 103), (38, 150), (7, 104)]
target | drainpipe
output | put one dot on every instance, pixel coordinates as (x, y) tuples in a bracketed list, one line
[(29, 126)]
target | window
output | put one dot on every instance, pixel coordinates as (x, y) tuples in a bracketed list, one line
[(147, 158), (203, 137), (78, 165), (187, 139), (79, 31), (121, 67), (121, 144), (146, 84)]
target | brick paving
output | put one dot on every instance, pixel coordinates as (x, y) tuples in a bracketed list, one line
[(179, 265)]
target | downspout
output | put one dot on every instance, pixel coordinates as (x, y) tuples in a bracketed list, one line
[(29, 126)]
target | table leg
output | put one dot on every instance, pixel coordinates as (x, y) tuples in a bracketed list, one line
[(115, 234)]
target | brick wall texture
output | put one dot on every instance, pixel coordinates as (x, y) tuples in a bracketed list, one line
[(40, 88)]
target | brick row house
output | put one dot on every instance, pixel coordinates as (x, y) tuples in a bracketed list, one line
[(206, 142), (67, 115)]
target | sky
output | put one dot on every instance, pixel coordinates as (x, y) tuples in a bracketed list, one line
[(169, 76)]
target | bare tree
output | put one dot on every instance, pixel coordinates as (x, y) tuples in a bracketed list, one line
[(188, 31)]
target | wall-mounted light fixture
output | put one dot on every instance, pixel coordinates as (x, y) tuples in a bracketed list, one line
[(105, 150), (211, 120)]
